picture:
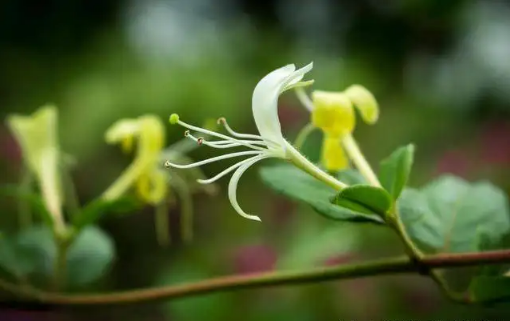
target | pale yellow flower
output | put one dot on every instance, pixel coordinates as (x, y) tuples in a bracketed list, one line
[(37, 136)]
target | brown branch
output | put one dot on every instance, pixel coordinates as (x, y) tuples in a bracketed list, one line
[(380, 267)]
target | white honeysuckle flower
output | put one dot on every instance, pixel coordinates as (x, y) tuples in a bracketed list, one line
[(269, 144)]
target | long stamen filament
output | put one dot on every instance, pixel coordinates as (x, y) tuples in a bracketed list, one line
[(224, 172), (211, 160), (223, 121), (225, 143), (205, 131), (211, 133)]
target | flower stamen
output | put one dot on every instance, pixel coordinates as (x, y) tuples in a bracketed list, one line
[(227, 143), (223, 121), (212, 160), (224, 172)]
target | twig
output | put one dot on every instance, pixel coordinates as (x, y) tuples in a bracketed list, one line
[(380, 267)]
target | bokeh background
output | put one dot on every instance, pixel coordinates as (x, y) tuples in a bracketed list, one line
[(439, 69)]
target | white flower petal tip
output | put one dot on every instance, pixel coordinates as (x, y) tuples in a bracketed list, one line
[(265, 99)]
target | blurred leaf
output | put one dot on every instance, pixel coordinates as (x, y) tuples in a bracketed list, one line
[(89, 256), (394, 171), (450, 215), (351, 177), (365, 199), (210, 307), (99, 207), (15, 260), (313, 244), (296, 184), (37, 242), (33, 199), (490, 289), (32, 253)]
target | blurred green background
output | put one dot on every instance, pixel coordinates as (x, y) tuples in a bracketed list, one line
[(439, 69)]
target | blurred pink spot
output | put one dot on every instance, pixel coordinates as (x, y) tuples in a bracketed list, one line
[(9, 148), (495, 140), (419, 294), (254, 258), (291, 114), (340, 259), (358, 297), (281, 210), (453, 162)]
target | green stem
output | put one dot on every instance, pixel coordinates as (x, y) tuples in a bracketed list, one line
[(60, 264), (397, 265), (304, 99), (417, 254), (25, 187), (303, 135), (304, 164), (186, 202), (359, 160), (71, 197), (161, 221)]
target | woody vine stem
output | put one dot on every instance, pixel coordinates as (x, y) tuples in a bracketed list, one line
[(396, 265)]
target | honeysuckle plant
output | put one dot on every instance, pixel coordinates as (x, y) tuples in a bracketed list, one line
[(447, 223), (341, 193), (65, 235), (146, 175)]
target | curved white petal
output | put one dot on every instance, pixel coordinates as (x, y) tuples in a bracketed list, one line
[(265, 99), (232, 186)]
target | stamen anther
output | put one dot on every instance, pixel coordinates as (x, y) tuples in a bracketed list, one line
[(174, 119)]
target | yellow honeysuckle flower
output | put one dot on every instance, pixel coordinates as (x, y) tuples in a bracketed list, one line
[(144, 173), (334, 114), (149, 178), (37, 136)]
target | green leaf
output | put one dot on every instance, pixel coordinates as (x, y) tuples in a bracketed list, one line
[(394, 171), (32, 252), (450, 214), (351, 177), (13, 259), (99, 207), (296, 184), (365, 199), (89, 257), (39, 247)]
